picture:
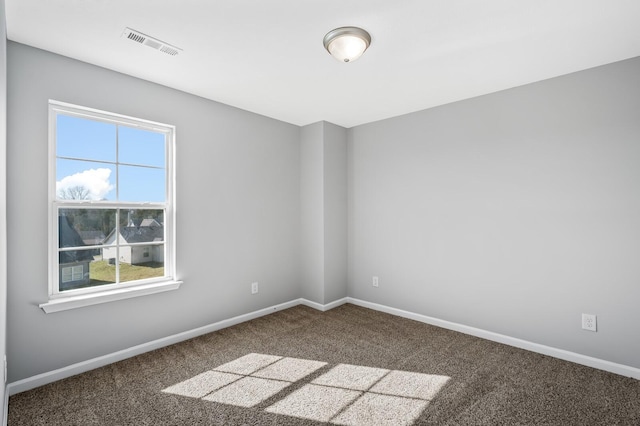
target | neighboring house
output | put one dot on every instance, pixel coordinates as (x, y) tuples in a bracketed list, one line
[(148, 231), (74, 265), (149, 223), (92, 238)]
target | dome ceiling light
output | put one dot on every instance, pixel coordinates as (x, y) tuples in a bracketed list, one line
[(347, 44)]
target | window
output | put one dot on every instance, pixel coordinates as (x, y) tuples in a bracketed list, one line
[(111, 207), (72, 273)]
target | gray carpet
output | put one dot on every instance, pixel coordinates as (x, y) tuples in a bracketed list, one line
[(350, 365)]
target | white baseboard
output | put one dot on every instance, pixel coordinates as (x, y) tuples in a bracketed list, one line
[(612, 367), (326, 307), (5, 414), (81, 367)]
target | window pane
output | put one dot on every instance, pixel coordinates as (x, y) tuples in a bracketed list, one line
[(139, 146), (66, 274), (77, 272), (102, 272), (84, 227), (84, 180), (84, 268), (83, 138), (72, 273), (136, 266), (142, 184), (141, 261)]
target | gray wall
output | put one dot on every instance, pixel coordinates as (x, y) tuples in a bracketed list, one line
[(323, 194), (513, 212), (312, 211), (335, 212), (3, 197), (238, 213)]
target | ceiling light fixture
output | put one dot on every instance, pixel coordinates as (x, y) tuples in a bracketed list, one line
[(347, 44)]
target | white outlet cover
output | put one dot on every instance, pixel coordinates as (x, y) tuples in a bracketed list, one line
[(589, 322)]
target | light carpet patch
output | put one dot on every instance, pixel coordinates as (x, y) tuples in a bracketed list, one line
[(381, 410), (202, 384), (248, 364), (247, 392), (354, 377), (290, 369), (320, 403), (411, 385)]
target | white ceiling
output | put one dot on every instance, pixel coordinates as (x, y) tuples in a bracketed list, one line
[(267, 56)]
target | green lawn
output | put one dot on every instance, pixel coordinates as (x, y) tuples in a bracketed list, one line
[(103, 273)]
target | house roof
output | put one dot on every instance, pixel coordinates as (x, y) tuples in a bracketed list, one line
[(92, 237), (152, 232), (150, 222), (142, 234), (69, 237)]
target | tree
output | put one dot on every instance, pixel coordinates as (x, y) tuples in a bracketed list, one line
[(78, 192)]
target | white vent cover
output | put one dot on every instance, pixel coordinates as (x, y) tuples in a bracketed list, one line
[(138, 37)]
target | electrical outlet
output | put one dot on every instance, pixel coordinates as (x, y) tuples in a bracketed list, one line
[(589, 322), (375, 282), (254, 288)]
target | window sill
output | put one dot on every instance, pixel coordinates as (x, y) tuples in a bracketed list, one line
[(73, 302)]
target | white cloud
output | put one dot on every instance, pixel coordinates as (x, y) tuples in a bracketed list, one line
[(95, 181)]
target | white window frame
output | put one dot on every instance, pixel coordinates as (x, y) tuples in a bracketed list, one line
[(70, 299)]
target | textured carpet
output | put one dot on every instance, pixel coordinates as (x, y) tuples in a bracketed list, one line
[(350, 365)]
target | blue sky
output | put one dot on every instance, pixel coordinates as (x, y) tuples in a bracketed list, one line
[(108, 146)]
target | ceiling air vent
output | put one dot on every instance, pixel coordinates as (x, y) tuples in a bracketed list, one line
[(154, 43)]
